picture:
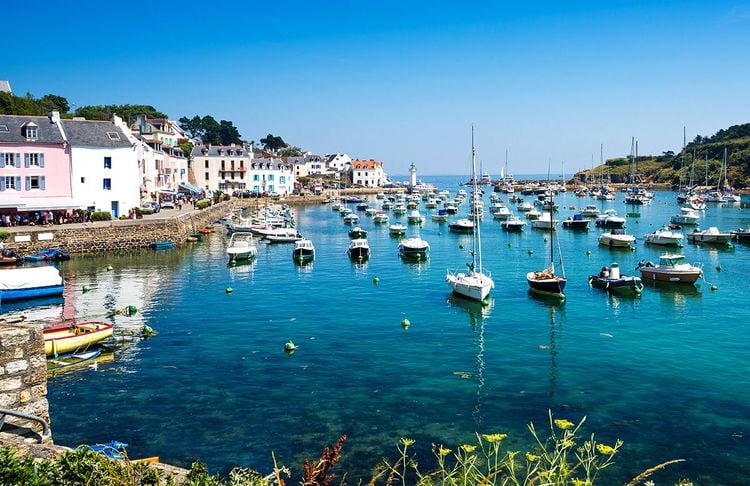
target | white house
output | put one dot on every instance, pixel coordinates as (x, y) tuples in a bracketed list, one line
[(367, 173), (162, 163), (104, 166), (337, 162), (270, 175)]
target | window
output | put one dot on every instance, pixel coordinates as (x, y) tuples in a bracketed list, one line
[(256, 177), (107, 162), (83, 180), (34, 182), (33, 160), (31, 132), (9, 159), (282, 180), (11, 183), (206, 176), (207, 164), (232, 162), (242, 175), (113, 135), (270, 177), (4, 128), (107, 184), (223, 165)]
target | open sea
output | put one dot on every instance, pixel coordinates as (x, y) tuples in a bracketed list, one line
[(667, 372)]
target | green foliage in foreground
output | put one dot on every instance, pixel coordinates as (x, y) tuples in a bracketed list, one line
[(101, 216), (562, 457)]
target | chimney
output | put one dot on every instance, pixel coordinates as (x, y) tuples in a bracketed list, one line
[(54, 116)]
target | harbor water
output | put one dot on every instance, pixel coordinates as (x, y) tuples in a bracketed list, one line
[(667, 372)]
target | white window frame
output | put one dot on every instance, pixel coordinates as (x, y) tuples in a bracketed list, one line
[(10, 159), (10, 183), (31, 132)]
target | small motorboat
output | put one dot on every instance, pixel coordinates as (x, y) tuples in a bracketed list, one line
[(687, 216), (397, 229), (241, 247), (502, 213), (359, 249), (68, 338), (533, 215), (10, 257), (664, 237), (590, 211), (53, 254), (577, 222), (351, 219), (415, 218), (361, 206), (617, 238), (380, 218), (513, 223), (441, 216), (283, 238), (162, 245), (357, 232), (670, 269), (611, 280), (609, 219), (742, 234), (462, 226), (711, 235), (304, 251), (545, 222), (414, 248)]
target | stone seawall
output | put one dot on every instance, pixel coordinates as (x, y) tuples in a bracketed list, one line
[(23, 375)]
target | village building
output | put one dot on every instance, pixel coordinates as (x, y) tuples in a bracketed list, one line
[(367, 173)]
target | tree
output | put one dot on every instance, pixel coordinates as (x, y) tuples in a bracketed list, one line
[(127, 112), (208, 130), (187, 149), (290, 151), (273, 143), (55, 102), (28, 105)]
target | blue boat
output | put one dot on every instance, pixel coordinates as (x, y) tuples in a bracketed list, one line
[(54, 254), (162, 245), (30, 283)]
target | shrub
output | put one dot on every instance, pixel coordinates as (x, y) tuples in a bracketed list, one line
[(4, 235), (203, 203), (101, 216)]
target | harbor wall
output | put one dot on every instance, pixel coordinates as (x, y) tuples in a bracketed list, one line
[(23, 375)]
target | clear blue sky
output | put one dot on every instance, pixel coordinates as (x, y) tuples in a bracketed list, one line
[(403, 81)]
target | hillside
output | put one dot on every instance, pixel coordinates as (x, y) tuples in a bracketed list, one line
[(671, 168)]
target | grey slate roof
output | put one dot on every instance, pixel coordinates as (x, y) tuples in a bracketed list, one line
[(213, 151), (47, 132), (93, 134), (276, 164)]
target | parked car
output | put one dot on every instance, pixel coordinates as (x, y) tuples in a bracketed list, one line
[(150, 207), (168, 204)]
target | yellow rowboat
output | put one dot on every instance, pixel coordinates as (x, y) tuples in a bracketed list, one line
[(66, 338)]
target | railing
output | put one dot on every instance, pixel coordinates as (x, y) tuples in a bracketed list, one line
[(46, 434)]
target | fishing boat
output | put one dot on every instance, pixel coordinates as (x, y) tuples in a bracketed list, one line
[(380, 218), (414, 217), (513, 223), (241, 246), (72, 359), (397, 229), (502, 213), (359, 249), (610, 279), (687, 216), (162, 245), (414, 248), (545, 222), (68, 338), (742, 234), (590, 211), (609, 219), (576, 222), (387, 205), (304, 251), (474, 284), (617, 238), (357, 232), (441, 216), (30, 283), (461, 226), (670, 269), (524, 206), (351, 218), (546, 281), (711, 235), (664, 237)]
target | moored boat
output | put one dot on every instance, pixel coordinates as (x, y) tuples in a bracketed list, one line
[(72, 359), (545, 222), (414, 217), (359, 249), (397, 229), (711, 235), (609, 219), (617, 238), (67, 338), (357, 232), (513, 223), (30, 283), (304, 251), (441, 216), (576, 221), (687, 216), (670, 269), (664, 237), (162, 245), (380, 218), (241, 246), (461, 226), (610, 279), (415, 248)]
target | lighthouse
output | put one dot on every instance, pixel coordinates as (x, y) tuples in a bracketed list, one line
[(412, 176)]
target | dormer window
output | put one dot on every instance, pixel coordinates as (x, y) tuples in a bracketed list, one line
[(30, 131)]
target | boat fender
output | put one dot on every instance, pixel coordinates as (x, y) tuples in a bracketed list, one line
[(229, 290)]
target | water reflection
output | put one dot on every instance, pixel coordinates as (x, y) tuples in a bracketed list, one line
[(674, 294), (106, 357), (546, 300), (243, 270)]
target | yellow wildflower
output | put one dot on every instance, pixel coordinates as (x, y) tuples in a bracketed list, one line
[(468, 448), (407, 442), (531, 457), (564, 424), (444, 451), (492, 438), (580, 482), (605, 449)]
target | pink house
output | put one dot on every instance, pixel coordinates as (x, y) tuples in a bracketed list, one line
[(35, 170)]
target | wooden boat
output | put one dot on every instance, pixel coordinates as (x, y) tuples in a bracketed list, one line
[(162, 245), (670, 269), (68, 338), (304, 251), (610, 279), (711, 235), (30, 283), (72, 359)]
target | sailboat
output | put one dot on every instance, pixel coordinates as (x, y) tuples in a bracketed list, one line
[(547, 281), (473, 284)]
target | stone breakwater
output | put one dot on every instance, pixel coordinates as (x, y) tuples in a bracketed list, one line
[(23, 374)]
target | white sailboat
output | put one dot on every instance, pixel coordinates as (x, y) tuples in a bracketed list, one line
[(473, 284)]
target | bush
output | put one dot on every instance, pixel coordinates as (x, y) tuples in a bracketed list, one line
[(101, 216), (4, 235), (203, 203)]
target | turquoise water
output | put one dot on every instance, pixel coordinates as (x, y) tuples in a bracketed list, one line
[(666, 372)]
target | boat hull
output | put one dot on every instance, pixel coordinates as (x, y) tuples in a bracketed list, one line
[(622, 285), (672, 276), (304, 255), (32, 293), (472, 286), (549, 286), (68, 338), (720, 239)]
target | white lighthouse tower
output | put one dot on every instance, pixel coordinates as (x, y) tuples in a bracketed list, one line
[(412, 176)]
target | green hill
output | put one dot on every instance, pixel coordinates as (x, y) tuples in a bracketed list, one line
[(675, 168)]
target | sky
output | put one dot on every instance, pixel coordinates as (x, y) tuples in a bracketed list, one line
[(402, 82)]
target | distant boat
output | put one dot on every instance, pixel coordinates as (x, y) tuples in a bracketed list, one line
[(664, 237), (546, 281), (611, 280), (397, 229), (711, 235), (474, 284), (441, 216), (415, 218), (304, 251), (609, 219), (357, 232), (414, 248), (67, 338), (513, 223), (617, 238), (545, 222), (576, 221), (30, 283), (380, 218), (462, 226), (687, 216), (162, 245)]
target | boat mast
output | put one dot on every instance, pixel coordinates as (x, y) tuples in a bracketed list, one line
[(476, 242)]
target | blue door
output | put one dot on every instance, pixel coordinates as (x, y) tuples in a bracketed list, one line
[(115, 209)]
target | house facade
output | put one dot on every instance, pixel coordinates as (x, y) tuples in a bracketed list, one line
[(104, 171), (271, 175), (35, 169), (220, 167), (367, 173), (163, 165), (337, 162)]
